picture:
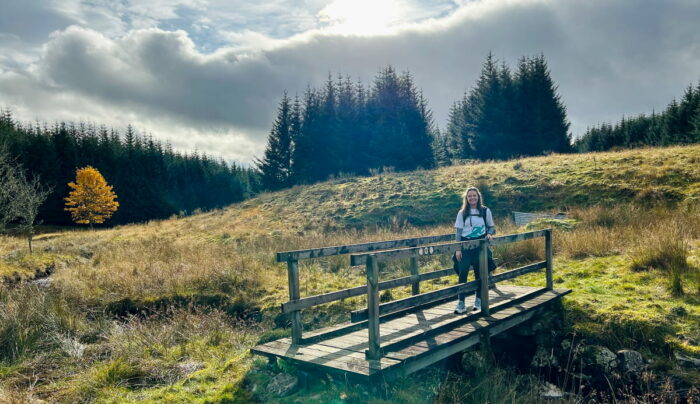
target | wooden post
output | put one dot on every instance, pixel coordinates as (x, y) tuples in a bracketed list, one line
[(293, 277), (549, 257), (374, 351), (484, 274), (415, 287)]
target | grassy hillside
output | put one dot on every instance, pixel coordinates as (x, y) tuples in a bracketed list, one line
[(167, 310)]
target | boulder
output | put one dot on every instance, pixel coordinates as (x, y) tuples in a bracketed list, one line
[(687, 361), (630, 362), (548, 391), (282, 385), (598, 359)]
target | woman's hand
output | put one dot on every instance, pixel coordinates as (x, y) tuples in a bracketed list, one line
[(458, 255), (489, 236)]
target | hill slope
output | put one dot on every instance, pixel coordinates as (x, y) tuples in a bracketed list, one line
[(168, 309)]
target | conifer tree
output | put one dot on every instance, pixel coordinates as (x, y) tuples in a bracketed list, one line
[(276, 164), (91, 200)]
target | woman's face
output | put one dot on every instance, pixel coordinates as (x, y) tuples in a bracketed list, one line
[(472, 198)]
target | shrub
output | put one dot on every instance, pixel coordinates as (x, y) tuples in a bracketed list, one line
[(666, 250)]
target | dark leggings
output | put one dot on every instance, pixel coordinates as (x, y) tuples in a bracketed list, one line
[(470, 259)]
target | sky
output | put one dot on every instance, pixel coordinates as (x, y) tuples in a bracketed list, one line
[(209, 74)]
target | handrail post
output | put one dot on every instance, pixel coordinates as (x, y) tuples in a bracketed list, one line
[(374, 351), (415, 287), (484, 275), (293, 277), (549, 257)]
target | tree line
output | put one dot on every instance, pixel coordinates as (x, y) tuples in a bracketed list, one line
[(679, 123), (151, 179), (350, 128)]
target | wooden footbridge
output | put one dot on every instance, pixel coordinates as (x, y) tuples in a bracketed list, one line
[(397, 338)]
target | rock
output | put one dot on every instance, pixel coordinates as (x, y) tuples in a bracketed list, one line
[(474, 363), (598, 359), (550, 391), (544, 358), (282, 385), (631, 362), (687, 361), (43, 282)]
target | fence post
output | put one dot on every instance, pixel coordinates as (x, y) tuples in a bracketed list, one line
[(484, 275), (374, 351), (415, 287), (549, 257), (293, 277)]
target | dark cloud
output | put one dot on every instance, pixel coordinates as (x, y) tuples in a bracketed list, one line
[(609, 59)]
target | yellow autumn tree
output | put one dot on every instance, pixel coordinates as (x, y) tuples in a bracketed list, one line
[(91, 200)]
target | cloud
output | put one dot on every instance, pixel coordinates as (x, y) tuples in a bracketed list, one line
[(608, 58)]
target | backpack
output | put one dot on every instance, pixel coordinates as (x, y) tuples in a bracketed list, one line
[(482, 213)]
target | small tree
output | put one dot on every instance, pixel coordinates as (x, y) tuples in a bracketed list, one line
[(30, 196), (20, 198), (91, 200)]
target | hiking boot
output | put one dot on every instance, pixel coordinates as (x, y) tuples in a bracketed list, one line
[(461, 307), (477, 304)]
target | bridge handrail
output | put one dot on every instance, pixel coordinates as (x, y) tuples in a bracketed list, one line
[(292, 259), (297, 255)]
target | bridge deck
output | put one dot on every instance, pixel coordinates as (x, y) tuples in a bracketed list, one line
[(411, 340)]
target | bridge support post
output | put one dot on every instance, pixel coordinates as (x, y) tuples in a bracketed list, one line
[(549, 256), (374, 351), (293, 278), (415, 287), (484, 275)]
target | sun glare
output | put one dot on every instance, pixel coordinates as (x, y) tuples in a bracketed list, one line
[(361, 17)]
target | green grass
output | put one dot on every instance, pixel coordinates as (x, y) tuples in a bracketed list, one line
[(130, 307)]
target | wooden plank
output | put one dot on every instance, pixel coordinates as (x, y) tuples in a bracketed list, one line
[(373, 308), (293, 278), (405, 253), (348, 327), (442, 349), (484, 275), (323, 356), (415, 287), (310, 301), (514, 273), (448, 248), (456, 321), (423, 298), (550, 259), (362, 247)]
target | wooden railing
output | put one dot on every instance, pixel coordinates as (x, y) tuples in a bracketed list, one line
[(367, 254), (292, 258)]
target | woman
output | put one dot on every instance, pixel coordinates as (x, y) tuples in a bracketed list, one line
[(474, 221)]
